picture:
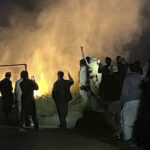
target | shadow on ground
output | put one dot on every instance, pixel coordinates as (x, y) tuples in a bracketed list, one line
[(91, 132), (49, 139)]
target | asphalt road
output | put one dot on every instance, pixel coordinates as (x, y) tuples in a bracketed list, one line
[(49, 139)]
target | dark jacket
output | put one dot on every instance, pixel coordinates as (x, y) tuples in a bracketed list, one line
[(6, 87), (122, 68), (105, 71), (61, 91), (27, 87), (142, 125), (7, 94), (131, 89)]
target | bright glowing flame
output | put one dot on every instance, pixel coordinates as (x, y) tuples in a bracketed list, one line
[(50, 40), (43, 86)]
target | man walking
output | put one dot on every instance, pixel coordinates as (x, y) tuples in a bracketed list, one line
[(61, 95)]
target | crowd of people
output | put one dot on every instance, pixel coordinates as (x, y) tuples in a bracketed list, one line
[(118, 89), (22, 99), (123, 93)]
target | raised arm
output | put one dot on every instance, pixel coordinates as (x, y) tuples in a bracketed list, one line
[(70, 78), (35, 85)]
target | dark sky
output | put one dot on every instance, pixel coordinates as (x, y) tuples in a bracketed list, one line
[(7, 8), (25, 4)]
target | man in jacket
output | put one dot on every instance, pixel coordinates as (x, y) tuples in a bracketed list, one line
[(7, 95), (27, 99), (61, 95), (131, 95)]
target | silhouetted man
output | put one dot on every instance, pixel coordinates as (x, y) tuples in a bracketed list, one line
[(27, 99), (105, 84), (122, 66), (138, 64), (105, 70), (122, 69), (61, 95), (7, 95), (18, 94), (142, 125)]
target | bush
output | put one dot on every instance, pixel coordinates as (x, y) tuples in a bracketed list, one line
[(45, 106)]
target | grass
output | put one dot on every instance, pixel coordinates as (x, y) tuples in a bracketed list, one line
[(45, 106)]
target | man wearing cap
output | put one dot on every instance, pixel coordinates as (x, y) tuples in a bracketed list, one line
[(61, 95), (7, 95)]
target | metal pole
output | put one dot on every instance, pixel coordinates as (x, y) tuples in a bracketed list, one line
[(13, 65)]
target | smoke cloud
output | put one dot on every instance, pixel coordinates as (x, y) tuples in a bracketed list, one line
[(48, 35), (140, 49)]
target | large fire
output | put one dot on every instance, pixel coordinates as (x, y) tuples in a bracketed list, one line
[(48, 38), (45, 72)]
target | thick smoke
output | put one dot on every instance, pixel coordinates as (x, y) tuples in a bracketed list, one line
[(141, 49), (48, 35)]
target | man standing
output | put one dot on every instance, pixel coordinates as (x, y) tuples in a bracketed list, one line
[(18, 93), (105, 87), (105, 70), (131, 95), (83, 80), (27, 99), (7, 95), (61, 95), (142, 125)]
